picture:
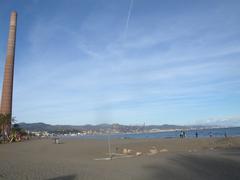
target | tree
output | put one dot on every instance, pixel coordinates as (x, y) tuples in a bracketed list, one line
[(5, 123)]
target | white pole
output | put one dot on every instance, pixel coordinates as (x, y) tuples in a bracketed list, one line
[(109, 145)]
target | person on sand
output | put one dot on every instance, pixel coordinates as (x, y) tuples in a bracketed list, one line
[(196, 134), (225, 134), (210, 134), (184, 134), (181, 134)]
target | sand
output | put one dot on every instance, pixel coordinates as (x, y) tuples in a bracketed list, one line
[(209, 158)]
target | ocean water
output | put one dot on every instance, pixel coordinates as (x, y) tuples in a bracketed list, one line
[(202, 133)]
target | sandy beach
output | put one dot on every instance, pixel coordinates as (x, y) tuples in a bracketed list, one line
[(209, 158)]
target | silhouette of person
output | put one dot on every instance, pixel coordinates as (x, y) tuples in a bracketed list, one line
[(225, 134), (210, 134), (196, 134)]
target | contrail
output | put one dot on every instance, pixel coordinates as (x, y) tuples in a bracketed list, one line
[(128, 18)]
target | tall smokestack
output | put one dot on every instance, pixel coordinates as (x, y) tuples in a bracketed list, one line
[(7, 89)]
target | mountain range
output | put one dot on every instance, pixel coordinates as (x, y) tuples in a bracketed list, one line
[(100, 127)]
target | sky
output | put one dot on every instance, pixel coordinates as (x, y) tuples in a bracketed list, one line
[(129, 62)]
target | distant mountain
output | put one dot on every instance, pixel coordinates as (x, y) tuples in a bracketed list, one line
[(36, 126), (99, 128)]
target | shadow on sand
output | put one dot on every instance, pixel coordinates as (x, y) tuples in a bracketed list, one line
[(67, 177), (196, 167)]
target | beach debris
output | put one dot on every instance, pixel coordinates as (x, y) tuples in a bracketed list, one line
[(129, 151), (138, 153), (153, 151), (192, 150), (103, 159), (163, 150), (115, 157), (57, 141), (125, 151)]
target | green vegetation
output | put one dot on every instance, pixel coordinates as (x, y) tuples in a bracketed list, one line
[(8, 133), (4, 125)]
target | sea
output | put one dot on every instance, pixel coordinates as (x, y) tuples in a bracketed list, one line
[(202, 133)]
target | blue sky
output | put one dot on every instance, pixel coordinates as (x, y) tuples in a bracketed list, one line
[(86, 62)]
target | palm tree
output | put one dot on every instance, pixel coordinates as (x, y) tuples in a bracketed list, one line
[(5, 121)]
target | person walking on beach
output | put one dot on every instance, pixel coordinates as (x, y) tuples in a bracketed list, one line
[(196, 134), (181, 134), (225, 134), (210, 134)]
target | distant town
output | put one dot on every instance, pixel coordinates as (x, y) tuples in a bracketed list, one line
[(43, 130)]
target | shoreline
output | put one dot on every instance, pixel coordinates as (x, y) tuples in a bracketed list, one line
[(202, 133)]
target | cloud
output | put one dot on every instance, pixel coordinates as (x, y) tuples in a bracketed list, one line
[(164, 67), (224, 121)]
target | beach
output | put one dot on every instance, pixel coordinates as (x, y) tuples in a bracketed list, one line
[(205, 158)]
